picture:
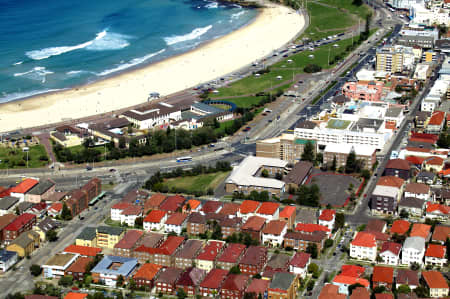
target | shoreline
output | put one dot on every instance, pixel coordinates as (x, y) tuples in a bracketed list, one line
[(272, 28)]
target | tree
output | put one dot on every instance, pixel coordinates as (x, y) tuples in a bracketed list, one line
[(313, 268), (404, 213), (51, 235), (421, 292), (334, 164), (339, 221), (235, 270), (328, 243), (415, 266), (379, 289), (181, 294), (312, 68), (119, 281), (357, 2), (15, 296), (250, 296), (66, 214), (308, 195), (35, 270), (279, 176), (66, 281), (354, 286), (139, 222), (350, 164), (404, 289), (265, 173), (132, 284), (308, 152)]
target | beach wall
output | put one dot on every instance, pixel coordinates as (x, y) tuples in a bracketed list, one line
[(272, 28)]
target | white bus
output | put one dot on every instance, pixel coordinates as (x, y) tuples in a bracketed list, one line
[(184, 159)]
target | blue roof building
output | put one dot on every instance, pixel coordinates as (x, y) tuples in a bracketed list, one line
[(111, 267), (7, 259)]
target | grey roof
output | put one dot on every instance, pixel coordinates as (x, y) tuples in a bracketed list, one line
[(7, 202), (110, 230), (47, 224), (393, 112), (417, 243), (6, 255), (23, 240), (306, 216), (367, 123), (423, 115), (282, 280), (426, 174), (306, 124), (207, 108), (127, 264), (24, 206), (298, 173), (41, 187), (412, 202), (88, 233), (419, 144)]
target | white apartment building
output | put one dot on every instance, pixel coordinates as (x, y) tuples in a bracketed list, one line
[(273, 233), (413, 250), (364, 247), (57, 265), (390, 253), (152, 116)]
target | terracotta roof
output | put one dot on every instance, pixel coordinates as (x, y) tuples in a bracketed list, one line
[(383, 274), (130, 239), (400, 227), (376, 225), (300, 259), (435, 207), (72, 295), (253, 255), (420, 230), (435, 280), (364, 239), (316, 236), (147, 271), (235, 282), (268, 208), (6, 219), (274, 227), (248, 206), (360, 293), (298, 173), (310, 227), (435, 161), (393, 247), (80, 264), (235, 222), (435, 250), (24, 186), (196, 218), (391, 181), (193, 204), (352, 270), (254, 223), (155, 216), (121, 206), (398, 164), (415, 160), (155, 200), (83, 250), (437, 118), (408, 277), (191, 277), (331, 291), (441, 233), (258, 286), (417, 188), (176, 219), (349, 280), (327, 215), (287, 212), (230, 208), (20, 221), (57, 207), (171, 244), (168, 275), (214, 278), (211, 206), (133, 210), (211, 251), (172, 203), (384, 296), (232, 253)]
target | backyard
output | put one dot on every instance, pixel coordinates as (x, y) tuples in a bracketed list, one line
[(17, 158)]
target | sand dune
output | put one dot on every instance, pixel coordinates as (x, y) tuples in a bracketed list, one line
[(272, 28)]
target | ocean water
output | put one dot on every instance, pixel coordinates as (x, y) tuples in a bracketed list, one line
[(53, 44)]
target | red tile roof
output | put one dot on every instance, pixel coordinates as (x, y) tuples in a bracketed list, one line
[(441, 233), (211, 206), (432, 137), (384, 296), (327, 215), (390, 181), (392, 247), (133, 210), (331, 291), (300, 259), (254, 223), (83, 250), (349, 280), (130, 239), (176, 219), (420, 230), (211, 251), (248, 206), (311, 227), (274, 227), (287, 212), (398, 164), (376, 225), (172, 203), (435, 207), (437, 118), (121, 206), (364, 239), (57, 207), (360, 293), (435, 280), (268, 208), (155, 216), (155, 200), (235, 282), (147, 271), (24, 186), (214, 278), (258, 286), (230, 208), (193, 204), (20, 221), (72, 295), (400, 227), (80, 264), (232, 253), (435, 161), (415, 160), (171, 244), (253, 255), (417, 188), (383, 274), (352, 270), (435, 250)]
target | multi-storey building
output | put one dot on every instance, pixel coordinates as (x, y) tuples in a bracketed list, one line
[(185, 257), (285, 147)]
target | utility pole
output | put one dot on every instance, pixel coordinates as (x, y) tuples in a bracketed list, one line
[(175, 130), (27, 159), (329, 49)]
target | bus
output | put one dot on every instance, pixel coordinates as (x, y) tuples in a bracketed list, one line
[(184, 159)]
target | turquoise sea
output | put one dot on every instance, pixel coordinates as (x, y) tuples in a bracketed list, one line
[(53, 44)]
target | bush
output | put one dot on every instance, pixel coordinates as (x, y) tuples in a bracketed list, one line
[(35, 270), (312, 68)]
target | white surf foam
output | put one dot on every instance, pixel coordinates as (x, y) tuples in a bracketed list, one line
[(18, 63), (196, 33), (131, 63), (103, 41), (212, 5), (8, 97), (37, 73), (237, 15)]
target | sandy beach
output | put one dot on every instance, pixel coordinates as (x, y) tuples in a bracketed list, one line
[(272, 28)]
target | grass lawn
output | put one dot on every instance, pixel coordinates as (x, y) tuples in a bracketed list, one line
[(197, 183), (223, 126), (16, 158), (338, 124), (360, 11), (79, 148)]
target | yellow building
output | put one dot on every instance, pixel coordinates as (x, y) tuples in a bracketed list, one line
[(108, 236), (429, 56), (25, 244), (389, 60), (285, 147), (88, 237)]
